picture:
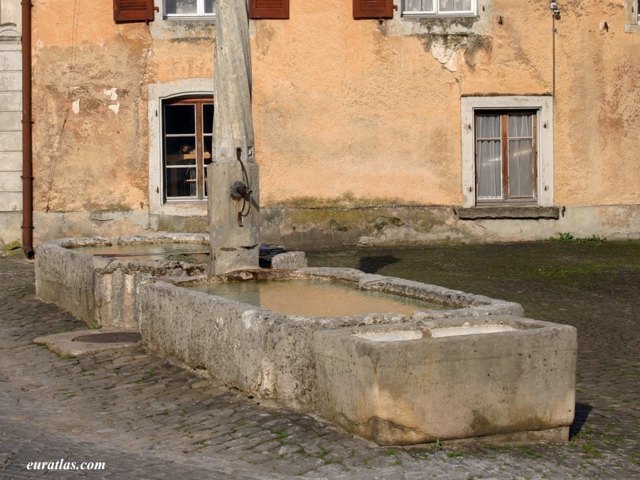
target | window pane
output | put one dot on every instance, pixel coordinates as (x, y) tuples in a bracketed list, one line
[(488, 156), (180, 151), (207, 149), (455, 5), (173, 7), (179, 119), (520, 125), (488, 126), (520, 168), (206, 182), (418, 5), (489, 169), (207, 118), (180, 182), (208, 6)]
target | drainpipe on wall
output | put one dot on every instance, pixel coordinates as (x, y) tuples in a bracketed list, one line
[(27, 157)]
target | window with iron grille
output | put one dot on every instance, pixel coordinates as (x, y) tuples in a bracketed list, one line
[(187, 147)]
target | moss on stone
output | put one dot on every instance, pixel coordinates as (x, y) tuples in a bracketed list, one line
[(16, 245)]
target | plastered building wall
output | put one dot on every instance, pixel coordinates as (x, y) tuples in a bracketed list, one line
[(358, 123), (10, 123)]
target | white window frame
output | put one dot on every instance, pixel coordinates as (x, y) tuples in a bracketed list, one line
[(436, 11), (157, 93), (543, 105), (632, 16), (200, 13)]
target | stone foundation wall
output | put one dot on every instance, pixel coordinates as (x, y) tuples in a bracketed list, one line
[(305, 228)]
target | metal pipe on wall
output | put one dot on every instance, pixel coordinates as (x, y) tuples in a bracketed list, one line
[(27, 154)]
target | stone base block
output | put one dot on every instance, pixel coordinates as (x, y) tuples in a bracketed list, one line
[(449, 379)]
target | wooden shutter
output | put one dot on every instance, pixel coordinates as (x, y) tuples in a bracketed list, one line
[(269, 9), (133, 11), (365, 9)]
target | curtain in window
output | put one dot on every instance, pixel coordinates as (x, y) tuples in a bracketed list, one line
[(418, 5), (455, 5), (181, 7), (520, 155), (488, 153)]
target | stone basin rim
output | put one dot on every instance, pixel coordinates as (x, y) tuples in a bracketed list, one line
[(354, 278)]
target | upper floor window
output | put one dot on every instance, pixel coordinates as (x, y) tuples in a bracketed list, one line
[(439, 7), (188, 8)]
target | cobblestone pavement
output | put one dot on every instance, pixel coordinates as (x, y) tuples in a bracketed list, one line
[(147, 419)]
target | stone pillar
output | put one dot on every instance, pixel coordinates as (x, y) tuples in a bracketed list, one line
[(233, 218)]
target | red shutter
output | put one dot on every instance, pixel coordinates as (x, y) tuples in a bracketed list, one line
[(364, 9), (133, 11), (269, 9)]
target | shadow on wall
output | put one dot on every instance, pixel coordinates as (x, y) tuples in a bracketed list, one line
[(374, 263)]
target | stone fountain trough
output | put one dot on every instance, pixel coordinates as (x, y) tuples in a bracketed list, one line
[(96, 278), (503, 378), (396, 377)]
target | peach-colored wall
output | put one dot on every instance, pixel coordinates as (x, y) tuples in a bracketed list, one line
[(597, 108), (343, 108)]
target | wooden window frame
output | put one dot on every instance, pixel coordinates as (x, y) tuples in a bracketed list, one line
[(200, 136), (504, 159)]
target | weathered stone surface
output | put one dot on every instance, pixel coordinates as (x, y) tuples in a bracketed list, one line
[(234, 223), (65, 344), (421, 389), (66, 278), (289, 260), (508, 212), (235, 240), (10, 182), (99, 290), (265, 353)]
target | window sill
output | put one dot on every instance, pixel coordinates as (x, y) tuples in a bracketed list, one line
[(632, 28), (434, 16), (181, 209), (508, 212), (188, 18)]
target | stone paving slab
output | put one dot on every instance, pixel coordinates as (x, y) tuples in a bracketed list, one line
[(65, 345), (149, 419)]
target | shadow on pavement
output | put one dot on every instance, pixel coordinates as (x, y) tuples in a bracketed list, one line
[(374, 263), (582, 413)]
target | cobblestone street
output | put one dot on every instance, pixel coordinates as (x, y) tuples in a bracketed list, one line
[(146, 418)]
